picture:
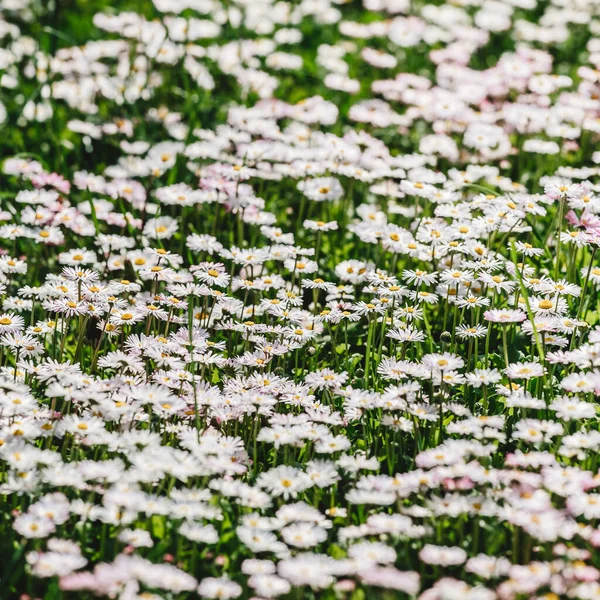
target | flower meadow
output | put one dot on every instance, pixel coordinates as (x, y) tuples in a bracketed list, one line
[(299, 299)]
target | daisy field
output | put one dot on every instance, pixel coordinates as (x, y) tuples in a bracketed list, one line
[(299, 299)]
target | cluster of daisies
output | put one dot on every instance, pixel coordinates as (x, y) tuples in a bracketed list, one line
[(300, 299)]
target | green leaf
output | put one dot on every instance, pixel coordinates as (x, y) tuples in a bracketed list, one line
[(158, 526), (337, 552), (358, 594)]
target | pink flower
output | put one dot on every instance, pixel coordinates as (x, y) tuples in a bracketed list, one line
[(51, 179), (462, 483), (573, 219), (78, 581), (504, 316)]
